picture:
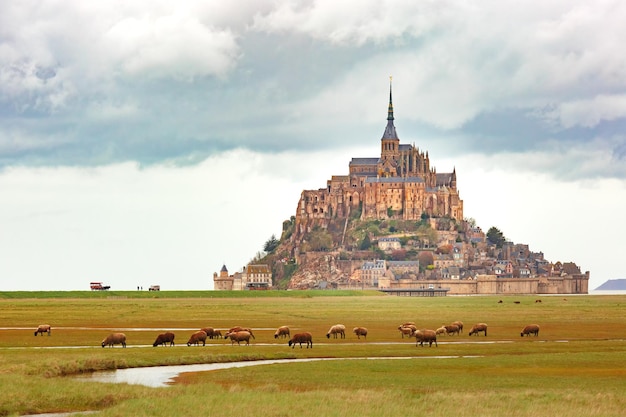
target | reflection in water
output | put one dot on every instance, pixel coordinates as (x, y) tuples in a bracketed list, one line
[(161, 376)]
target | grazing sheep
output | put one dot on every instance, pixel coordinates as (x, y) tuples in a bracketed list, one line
[(452, 329), (212, 333), (516, 302), (537, 301), (43, 328), (282, 332), (477, 328), (460, 324), (425, 335), (441, 330), (240, 336), (164, 339), (530, 329), (240, 329), (406, 331), (410, 325), (301, 338), (197, 337), (500, 302), (360, 331), (115, 339), (337, 329)]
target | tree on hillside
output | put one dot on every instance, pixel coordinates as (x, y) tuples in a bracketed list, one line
[(365, 243), (271, 244), (495, 237), (425, 258)]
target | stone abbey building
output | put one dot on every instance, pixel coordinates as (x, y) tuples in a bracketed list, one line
[(400, 184)]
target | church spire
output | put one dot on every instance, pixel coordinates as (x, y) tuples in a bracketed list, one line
[(390, 130)]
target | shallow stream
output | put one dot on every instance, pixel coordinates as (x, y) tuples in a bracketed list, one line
[(162, 376)]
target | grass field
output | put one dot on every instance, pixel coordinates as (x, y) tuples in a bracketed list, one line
[(575, 367)]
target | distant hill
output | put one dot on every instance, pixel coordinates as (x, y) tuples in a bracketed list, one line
[(613, 285)]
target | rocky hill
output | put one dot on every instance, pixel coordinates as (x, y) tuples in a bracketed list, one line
[(326, 256)]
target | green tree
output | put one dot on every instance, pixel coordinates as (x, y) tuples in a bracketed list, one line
[(271, 244), (495, 237), (365, 243)]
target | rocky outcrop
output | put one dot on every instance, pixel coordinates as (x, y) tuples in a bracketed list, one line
[(318, 269)]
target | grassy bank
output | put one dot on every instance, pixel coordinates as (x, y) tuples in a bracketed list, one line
[(181, 294), (576, 367)]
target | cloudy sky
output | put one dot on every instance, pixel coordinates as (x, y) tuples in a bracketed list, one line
[(150, 142)]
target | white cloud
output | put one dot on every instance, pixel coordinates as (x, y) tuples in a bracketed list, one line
[(176, 46), (590, 112)]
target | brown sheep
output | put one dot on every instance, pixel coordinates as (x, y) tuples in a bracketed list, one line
[(212, 333), (43, 328), (530, 329), (164, 339), (301, 338), (425, 335), (410, 325), (335, 330), (240, 329), (441, 330), (460, 324), (282, 332), (477, 328), (197, 337), (240, 336), (115, 339), (537, 301), (452, 329), (406, 331), (360, 331)]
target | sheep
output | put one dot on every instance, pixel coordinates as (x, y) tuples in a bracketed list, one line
[(538, 300), (212, 333), (360, 331), (164, 339), (301, 338), (335, 330), (240, 336), (115, 339), (240, 329), (477, 328), (460, 324), (410, 325), (197, 337), (43, 328), (441, 330), (406, 331), (530, 329), (425, 335), (282, 332), (452, 329)]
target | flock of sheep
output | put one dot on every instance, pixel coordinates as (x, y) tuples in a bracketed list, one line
[(243, 334)]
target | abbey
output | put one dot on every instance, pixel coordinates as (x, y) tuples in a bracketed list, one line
[(399, 184)]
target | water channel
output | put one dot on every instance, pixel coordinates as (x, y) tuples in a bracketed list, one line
[(162, 376)]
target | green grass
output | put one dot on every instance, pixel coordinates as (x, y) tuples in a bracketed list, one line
[(543, 376)]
